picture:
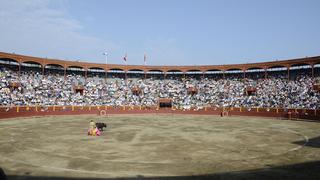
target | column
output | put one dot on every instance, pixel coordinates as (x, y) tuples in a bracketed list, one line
[(312, 68), (265, 74), (19, 69)]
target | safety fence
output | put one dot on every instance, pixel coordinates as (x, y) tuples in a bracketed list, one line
[(24, 111)]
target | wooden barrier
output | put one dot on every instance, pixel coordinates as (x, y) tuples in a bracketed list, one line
[(27, 111)]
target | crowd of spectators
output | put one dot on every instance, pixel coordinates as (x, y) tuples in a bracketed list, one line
[(32, 88)]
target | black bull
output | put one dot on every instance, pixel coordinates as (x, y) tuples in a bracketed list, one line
[(100, 126)]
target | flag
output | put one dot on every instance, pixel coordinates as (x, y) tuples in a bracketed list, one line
[(145, 58), (125, 57)]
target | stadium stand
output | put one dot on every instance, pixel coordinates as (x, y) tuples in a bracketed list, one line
[(291, 84)]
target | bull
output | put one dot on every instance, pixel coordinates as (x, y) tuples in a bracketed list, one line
[(100, 126)]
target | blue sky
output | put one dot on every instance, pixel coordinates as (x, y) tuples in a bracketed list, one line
[(170, 32)]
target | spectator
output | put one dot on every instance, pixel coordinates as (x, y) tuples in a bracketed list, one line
[(54, 89)]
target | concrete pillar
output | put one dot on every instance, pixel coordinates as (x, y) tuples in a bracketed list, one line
[(312, 70), (65, 73), (19, 69), (265, 74)]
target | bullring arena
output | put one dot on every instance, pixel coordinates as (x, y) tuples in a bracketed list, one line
[(187, 130)]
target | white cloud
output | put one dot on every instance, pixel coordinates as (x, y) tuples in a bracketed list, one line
[(35, 27)]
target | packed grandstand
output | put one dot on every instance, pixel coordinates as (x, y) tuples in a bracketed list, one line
[(30, 83)]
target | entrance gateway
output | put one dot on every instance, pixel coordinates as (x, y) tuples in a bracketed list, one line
[(165, 103)]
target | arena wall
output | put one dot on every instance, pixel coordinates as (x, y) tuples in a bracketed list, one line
[(24, 111)]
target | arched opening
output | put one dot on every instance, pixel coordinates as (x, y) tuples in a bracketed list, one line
[(31, 67), (9, 64), (300, 70), (96, 72), (116, 73), (194, 74), (155, 74), (213, 74), (9, 68), (255, 73), (234, 73), (76, 70), (174, 74), (53, 69), (135, 74), (277, 72)]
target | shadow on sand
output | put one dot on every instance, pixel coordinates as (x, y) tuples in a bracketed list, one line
[(313, 142), (303, 171)]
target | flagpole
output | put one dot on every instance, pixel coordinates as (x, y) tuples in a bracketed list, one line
[(106, 66), (106, 58), (145, 62), (126, 70), (125, 61)]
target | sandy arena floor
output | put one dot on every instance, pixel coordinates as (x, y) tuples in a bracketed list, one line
[(154, 146)]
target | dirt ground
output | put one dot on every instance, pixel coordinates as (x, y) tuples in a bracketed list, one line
[(156, 146)]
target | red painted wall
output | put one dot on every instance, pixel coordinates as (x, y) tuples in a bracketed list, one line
[(76, 110)]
